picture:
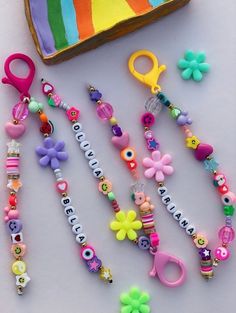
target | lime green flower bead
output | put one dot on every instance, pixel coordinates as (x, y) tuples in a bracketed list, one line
[(35, 106), (135, 301)]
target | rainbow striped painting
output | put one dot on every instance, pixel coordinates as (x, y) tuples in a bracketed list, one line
[(58, 25)]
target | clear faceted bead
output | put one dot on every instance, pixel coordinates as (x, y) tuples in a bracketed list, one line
[(153, 105)]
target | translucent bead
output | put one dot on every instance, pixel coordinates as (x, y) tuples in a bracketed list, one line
[(20, 111), (104, 111), (226, 234), (228, 221), (153, 105)]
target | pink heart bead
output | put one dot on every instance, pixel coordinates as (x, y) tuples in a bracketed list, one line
[(14, 130), (203, 151), (121, 142)]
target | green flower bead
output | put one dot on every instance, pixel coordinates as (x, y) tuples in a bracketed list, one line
[(228, 210), (35, 106), (193, 65), (135, 301)]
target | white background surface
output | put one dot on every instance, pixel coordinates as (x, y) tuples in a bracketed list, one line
[(60, 281)]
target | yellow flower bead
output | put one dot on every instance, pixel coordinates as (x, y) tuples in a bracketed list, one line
[(126, 225), (200, 241), (18, 268), (192, 142)]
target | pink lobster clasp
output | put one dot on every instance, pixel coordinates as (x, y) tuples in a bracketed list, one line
[(161, 259), (22, 84)]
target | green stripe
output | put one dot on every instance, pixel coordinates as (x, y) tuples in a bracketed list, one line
[(55, 20)]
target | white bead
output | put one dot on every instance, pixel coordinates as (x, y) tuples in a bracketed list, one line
[(177, 215), (89, 154), (80, 136), (65, 201), (171, 207), (166, 199), (73, 219), (191, 230), (98, 172), (162, 191), (76, 127), (58, 174), (184, 222), (93, 163), (85, 145), (81, 238), (69, 210), (77, 229), (228, 198)]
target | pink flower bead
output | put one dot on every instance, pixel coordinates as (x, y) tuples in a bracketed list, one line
[(73, 114), (226, 234), (222, 253), (104, 111), (11, 214), (147, 119)]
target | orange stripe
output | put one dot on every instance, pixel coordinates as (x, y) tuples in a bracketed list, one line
[(83, 9), (139, 6)]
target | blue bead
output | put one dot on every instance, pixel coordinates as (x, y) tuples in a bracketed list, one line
[(211, 165), (14, 226), (164, 100), (95, 95)]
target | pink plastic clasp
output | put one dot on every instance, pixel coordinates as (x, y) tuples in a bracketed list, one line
[(22, 84), (161, 259)]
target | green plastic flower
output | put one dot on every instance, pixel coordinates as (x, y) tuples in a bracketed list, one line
[(125, 224), (193, 65), (135, 301)]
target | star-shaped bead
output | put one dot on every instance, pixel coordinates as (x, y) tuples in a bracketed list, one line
[(205, 253), (14, 184), (94, 264), (22, 280), (13, 147), (152, 144), (211, 165)]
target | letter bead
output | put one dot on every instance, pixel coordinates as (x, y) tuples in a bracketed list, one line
[(162, 191), (73, 219), (166, 199), (93, 163), (77, 229), (184, 222), (69, 210), (85, 145), (171, 207), (191, 230), (80, 136), (89, 154), (76, 127), (65, 201), (81, 238), (98, 172), (178, 215)]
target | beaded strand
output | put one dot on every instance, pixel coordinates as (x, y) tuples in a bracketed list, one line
[(51, 153)]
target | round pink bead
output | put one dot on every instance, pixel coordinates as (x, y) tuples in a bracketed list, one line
[(222, 253), (154, 239), (226, 234), (147, 119), (104, 111), (20, 111)]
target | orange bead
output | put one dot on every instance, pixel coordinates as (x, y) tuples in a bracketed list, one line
[(43, 117), (128, 154)]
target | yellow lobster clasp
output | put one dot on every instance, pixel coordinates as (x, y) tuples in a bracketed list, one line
[(150, 78)]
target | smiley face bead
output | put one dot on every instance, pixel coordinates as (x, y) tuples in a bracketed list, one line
[(200, 241), (14, 226), (18, 250), (105, 186), (18, 267)]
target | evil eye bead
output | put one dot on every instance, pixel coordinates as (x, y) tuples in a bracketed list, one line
[(87, 253), (128, 154), (147, 119), (222, 253), (228, 198)]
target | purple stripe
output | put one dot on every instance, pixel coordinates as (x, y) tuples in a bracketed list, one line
[(39, 15)]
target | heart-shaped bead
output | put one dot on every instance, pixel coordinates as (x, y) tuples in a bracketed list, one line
[(14, 130), (62, 186), (47, 88), (121, 142), (202, 151)]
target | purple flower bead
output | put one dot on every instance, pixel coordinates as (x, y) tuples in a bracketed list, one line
[(116, 130), (95, 95), (51, 153)]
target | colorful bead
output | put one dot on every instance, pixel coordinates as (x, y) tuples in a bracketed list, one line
[(62, 186), (203, 151), (223, 189), (164, 100), (211, 165), (111, 196), (14, 131), (56, 100), (17, 238), (121, 142), (73, 114), (200, 241), (153, 105), (35, 106), (87, 253), (219, 180), (222, 253), (14, 226), (139, 197), (135, 301), (113, 121), (144, 243), (18, 250), (105, 274), (18, 267), (126, 224), (152, 144), (183, 119), (226, 234), (228, 199), (104, 111), (12, 200), (22, 280), (116, 130), (46, 128), (20, 111), (95, 95), (105, 186), (94, 264), (228, 221), (175, 112), (206, 268), (12, 165), (147, 119), (205, 254), (11, 214), (43, 117), (132, 165), (147, 222), (14, 184), (47, 88), (192, 142), (128, 154), (154, 239)]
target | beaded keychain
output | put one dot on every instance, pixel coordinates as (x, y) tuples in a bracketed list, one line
[(125, 223), (51, 153), (158, 166), (15, 129)]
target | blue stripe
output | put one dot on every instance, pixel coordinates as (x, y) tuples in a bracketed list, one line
[(69, 19), (155, 3)]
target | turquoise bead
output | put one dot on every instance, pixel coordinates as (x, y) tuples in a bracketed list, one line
[(164, 100), (35, 106)]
